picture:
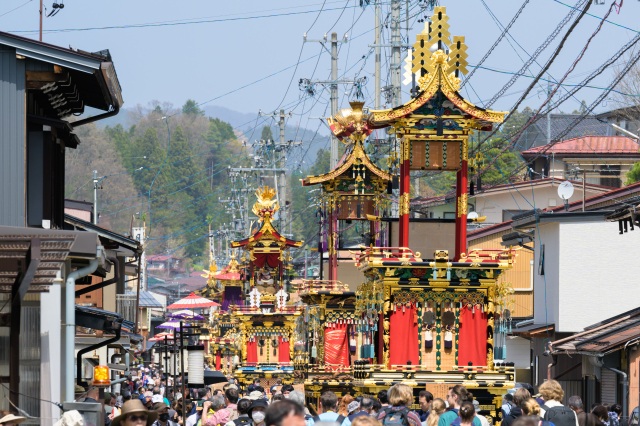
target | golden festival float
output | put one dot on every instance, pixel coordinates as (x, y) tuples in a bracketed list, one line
[(255, 330), (426, 322)]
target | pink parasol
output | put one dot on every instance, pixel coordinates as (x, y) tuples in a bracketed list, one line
[(185, 314), (170, 325), (192, 301), (160, 336)]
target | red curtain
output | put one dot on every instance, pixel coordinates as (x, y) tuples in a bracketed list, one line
[(218, 361), (252, 352), (403, 336), (336, 345), (472, 341), (270, 259), (283, 351)]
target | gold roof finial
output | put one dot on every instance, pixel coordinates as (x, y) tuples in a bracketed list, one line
[(433, 47), (350, 123), (266, 206)]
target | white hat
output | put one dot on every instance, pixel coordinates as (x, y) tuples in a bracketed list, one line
[(157, 398), (12, 418), (70, 418), (353, 406), (255, 395)]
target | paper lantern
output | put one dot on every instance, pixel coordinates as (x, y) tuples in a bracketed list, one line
[(196, 366)]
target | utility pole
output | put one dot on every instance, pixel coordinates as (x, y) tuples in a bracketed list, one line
[(396, 45), (334, 96), (377, 69), (41, 12), (277, 153), (306, 84), (96, 185)]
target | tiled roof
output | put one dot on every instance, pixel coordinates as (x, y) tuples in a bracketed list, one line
[(536, 134), (148, 301), (607, 336), (590, 145)]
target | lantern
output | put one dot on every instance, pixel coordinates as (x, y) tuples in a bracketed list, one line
[(196, 366), (101, 376)]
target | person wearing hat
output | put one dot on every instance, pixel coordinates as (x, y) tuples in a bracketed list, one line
[(254, 395), (134, 414), (9, 419), (352, 407), (163, 415), (364, 409), (257, 411)]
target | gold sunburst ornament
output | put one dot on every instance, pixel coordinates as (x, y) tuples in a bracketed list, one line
[(266, 206)]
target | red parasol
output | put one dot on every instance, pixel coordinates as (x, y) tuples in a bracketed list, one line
[(192, 301), (160, 336)]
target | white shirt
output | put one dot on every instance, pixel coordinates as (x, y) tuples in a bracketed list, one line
[(192, 419)]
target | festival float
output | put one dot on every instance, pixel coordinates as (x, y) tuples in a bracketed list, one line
[(427, 322), (258, 312)]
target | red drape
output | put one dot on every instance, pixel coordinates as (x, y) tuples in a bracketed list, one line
[(271, 259), (283, 351), (403, 336), (336, 345), (218, 361), (472, 341), (252, 352)]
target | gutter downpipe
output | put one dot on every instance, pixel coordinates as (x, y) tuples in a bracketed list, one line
[(114, 111), (554, 359), (89, 349), (70, 322), (551, 365), (625, 389), (116, 276)]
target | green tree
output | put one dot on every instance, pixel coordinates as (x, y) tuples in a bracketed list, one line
[(633, 175), (118, 199), (191, 107), (267, 134)]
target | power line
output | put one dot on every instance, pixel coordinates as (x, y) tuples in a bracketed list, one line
[(543, 46)]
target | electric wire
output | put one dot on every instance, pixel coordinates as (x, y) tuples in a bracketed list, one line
[(538, 51), (495, 44)]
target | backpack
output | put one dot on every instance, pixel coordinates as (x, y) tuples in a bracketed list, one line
[(560, 416), (338, 421), (242, 421), (396, 417)]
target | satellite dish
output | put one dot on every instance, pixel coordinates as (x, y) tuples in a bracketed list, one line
[(565, 190)]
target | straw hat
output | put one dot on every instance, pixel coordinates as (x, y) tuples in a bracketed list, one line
[(134, 406), (12, 418)]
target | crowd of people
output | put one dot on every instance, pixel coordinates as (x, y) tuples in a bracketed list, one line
[(149, 400)]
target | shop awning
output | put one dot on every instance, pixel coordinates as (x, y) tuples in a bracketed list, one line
[(33, 256)]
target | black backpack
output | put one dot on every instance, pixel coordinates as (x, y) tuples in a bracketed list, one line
[(242, 421), (560, 416), (396, 417), (338, 421)]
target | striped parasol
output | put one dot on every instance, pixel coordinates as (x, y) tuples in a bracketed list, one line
[(185, 314), (192, 301), (170, 325), (160, 336)]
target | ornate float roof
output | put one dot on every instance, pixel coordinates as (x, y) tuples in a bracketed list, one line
[(438, 83), (266, 239), (350, 127)]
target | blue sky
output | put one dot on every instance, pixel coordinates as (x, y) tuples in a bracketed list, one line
[(249, 55)]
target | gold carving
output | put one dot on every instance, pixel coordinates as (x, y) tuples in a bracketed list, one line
[(462, 204), (403, 205)]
